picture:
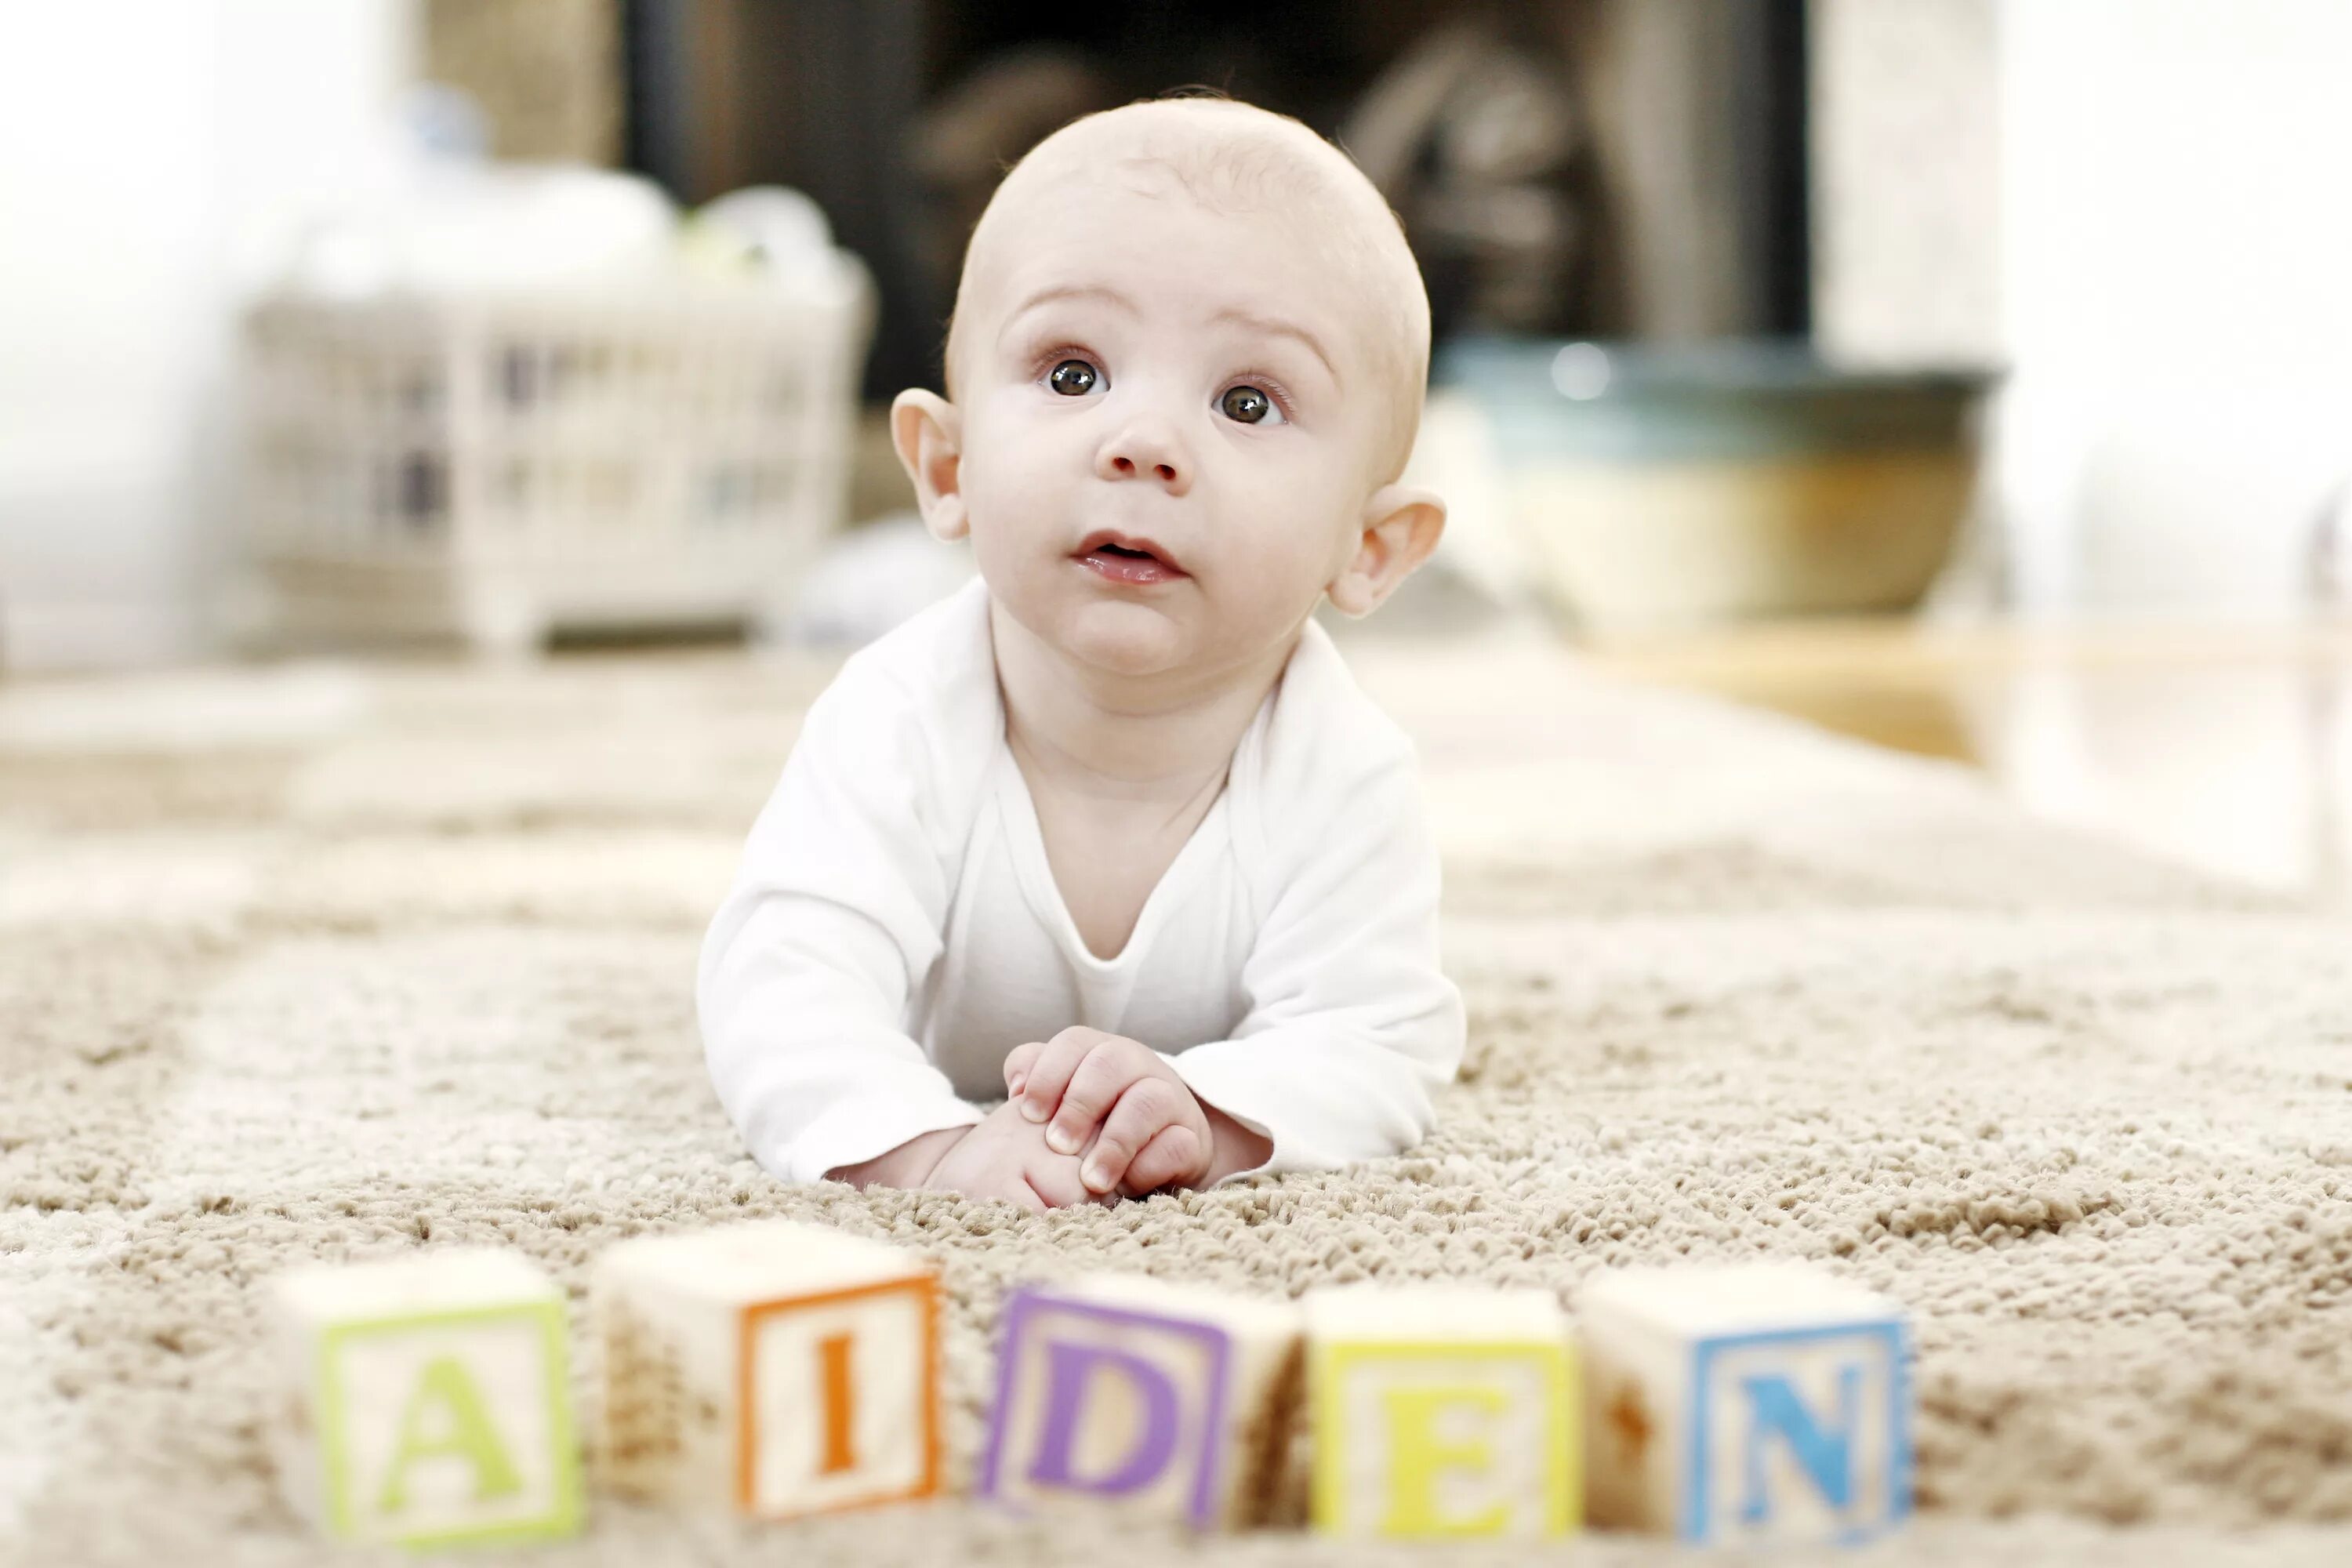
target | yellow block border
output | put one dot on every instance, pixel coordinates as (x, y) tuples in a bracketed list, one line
[(1332, 1363)]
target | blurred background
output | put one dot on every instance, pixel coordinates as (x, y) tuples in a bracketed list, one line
[(1970, 376)]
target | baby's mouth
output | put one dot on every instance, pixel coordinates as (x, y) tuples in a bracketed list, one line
[(1127, 561)]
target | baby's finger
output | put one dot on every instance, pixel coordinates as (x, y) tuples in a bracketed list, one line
[(1109, 1070), (1049, 1074), (1145, 1107), (1174, 1154), (1056, 1184), (1017, 1063)]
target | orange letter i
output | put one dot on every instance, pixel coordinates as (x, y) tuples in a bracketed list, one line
[(838, 1455)]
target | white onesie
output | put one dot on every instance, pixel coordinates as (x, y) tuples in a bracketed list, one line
[(895, 929)]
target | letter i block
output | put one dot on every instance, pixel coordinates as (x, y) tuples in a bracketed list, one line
[(771, 1369), (1168, 1403), (1755, 1402), (1442, 1413), (429, 1399)]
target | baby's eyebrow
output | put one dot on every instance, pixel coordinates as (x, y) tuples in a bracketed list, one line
[(1273, 327), (1047, 296)]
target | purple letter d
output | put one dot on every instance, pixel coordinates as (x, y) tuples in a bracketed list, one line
[(1066, 1393)]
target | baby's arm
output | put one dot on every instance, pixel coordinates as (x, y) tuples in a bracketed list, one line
[(804, 974), (1352, 1021)]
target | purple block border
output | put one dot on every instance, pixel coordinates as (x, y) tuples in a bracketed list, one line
[(1028, 1302)]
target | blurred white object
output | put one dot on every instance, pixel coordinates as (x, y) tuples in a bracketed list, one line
[(2202, 502), (581, 431), (444, 122), (871, 579), (1455, 455), (457, 228), (766, 231), (2330, 552)]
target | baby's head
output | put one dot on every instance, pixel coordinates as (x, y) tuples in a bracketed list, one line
[(1193, 323)]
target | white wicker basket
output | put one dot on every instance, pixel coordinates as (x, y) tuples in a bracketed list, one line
[(422, 466)]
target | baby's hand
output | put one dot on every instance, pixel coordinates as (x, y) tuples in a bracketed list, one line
[(1006, 1157), (1152, 1131)]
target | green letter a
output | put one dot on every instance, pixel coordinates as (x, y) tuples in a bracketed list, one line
[(468, 1432)]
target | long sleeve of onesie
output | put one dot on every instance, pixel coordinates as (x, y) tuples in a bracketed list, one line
[(1351, 1022), (805, 970)]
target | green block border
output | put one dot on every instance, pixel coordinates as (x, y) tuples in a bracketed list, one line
[(562, 1519), (1333, 1362)]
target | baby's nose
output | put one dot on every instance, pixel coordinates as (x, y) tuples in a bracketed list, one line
[(1146, 449)]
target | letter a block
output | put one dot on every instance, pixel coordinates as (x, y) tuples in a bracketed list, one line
[(429, 1401), (1442, 1413), (1757, 1402), (772, 1369), (1168, 1402)]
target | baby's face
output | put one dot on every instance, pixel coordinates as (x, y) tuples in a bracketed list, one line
[(1138, 364)]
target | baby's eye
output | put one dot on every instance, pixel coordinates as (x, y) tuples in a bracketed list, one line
[(1248, 405), (1074, 378)]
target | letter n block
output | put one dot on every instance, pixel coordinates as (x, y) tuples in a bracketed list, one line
[(429, 1399), (770, 1369), (1168, 1403), (1754, 1402), (1442, 1413)]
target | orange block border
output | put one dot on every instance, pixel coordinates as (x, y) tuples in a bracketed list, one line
[(926, 1291)]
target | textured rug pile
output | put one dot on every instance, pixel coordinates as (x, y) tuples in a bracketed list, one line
[(324, 961)]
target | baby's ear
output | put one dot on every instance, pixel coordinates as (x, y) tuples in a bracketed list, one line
[(928, 431), (1401, 528)]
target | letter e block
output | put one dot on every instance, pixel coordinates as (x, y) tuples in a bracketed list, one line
[(771, 1369), (429, 1399), (1764, 1402), (1166, 1402), (1442, 1413)]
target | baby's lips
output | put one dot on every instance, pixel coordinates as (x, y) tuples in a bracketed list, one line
[(1158, 551)]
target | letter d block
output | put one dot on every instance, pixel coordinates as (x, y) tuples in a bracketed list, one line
[(771, 1369), (1168, 1403), (430, 1399), (1754, 1402), (1442, 1413)]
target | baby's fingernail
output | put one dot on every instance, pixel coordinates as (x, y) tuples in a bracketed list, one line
[(1013, 1089), (1034, 1109), (1093, 1175), (1061, 1140)]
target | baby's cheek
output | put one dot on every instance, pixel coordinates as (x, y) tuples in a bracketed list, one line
[(1277, 568)]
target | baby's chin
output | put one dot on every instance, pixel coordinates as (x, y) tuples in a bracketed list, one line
[(1132, 636), (1126, 636)]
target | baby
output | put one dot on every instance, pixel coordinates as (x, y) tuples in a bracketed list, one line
[(1112, 831)]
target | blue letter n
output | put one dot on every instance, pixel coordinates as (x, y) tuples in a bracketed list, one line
[(1827, 1456)]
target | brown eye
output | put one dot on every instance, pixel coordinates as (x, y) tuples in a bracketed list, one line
[(1245, 404), (1073, 378)]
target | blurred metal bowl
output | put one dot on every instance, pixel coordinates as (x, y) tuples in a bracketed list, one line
[(1658, 486)]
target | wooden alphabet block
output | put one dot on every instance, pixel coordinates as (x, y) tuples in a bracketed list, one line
[(770, 1368), (1763, 1401), (429, 1399), (1442, 1413), (1170, 1403)]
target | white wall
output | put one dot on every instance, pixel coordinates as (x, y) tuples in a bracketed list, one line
[(149, 149), (2176, 289)]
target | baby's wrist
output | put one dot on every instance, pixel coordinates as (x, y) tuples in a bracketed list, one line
[(1232, 1148), (909, 1164)]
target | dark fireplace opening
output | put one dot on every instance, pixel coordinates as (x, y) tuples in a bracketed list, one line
[(1630, 169)]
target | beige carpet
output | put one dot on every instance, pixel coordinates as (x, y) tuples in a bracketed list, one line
[(321, 962)]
